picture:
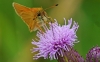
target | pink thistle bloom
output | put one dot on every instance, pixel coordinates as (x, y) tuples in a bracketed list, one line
[(55, 39)]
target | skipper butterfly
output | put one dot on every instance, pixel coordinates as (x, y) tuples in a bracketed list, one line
[(33, 17)]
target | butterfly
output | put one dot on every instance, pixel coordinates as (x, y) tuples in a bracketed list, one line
[(33, 17)]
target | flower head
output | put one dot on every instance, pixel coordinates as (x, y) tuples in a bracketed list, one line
[(55, 39), (93, 55)]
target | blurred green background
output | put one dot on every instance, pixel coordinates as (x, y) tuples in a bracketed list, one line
[(15, 38)]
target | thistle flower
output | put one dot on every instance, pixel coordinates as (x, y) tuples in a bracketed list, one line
[(93, 55), (55, 40)]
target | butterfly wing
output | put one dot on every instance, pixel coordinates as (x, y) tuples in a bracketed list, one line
[(27, 15)]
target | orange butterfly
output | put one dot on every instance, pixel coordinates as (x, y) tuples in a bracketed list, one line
[(33, 17)]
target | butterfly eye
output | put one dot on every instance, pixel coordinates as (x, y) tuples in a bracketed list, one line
[(38, 14)]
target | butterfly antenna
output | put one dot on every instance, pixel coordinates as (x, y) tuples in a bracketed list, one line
[(51, 6)]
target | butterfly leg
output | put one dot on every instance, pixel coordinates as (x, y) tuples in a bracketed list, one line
[(39, 28), (50, 19)]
